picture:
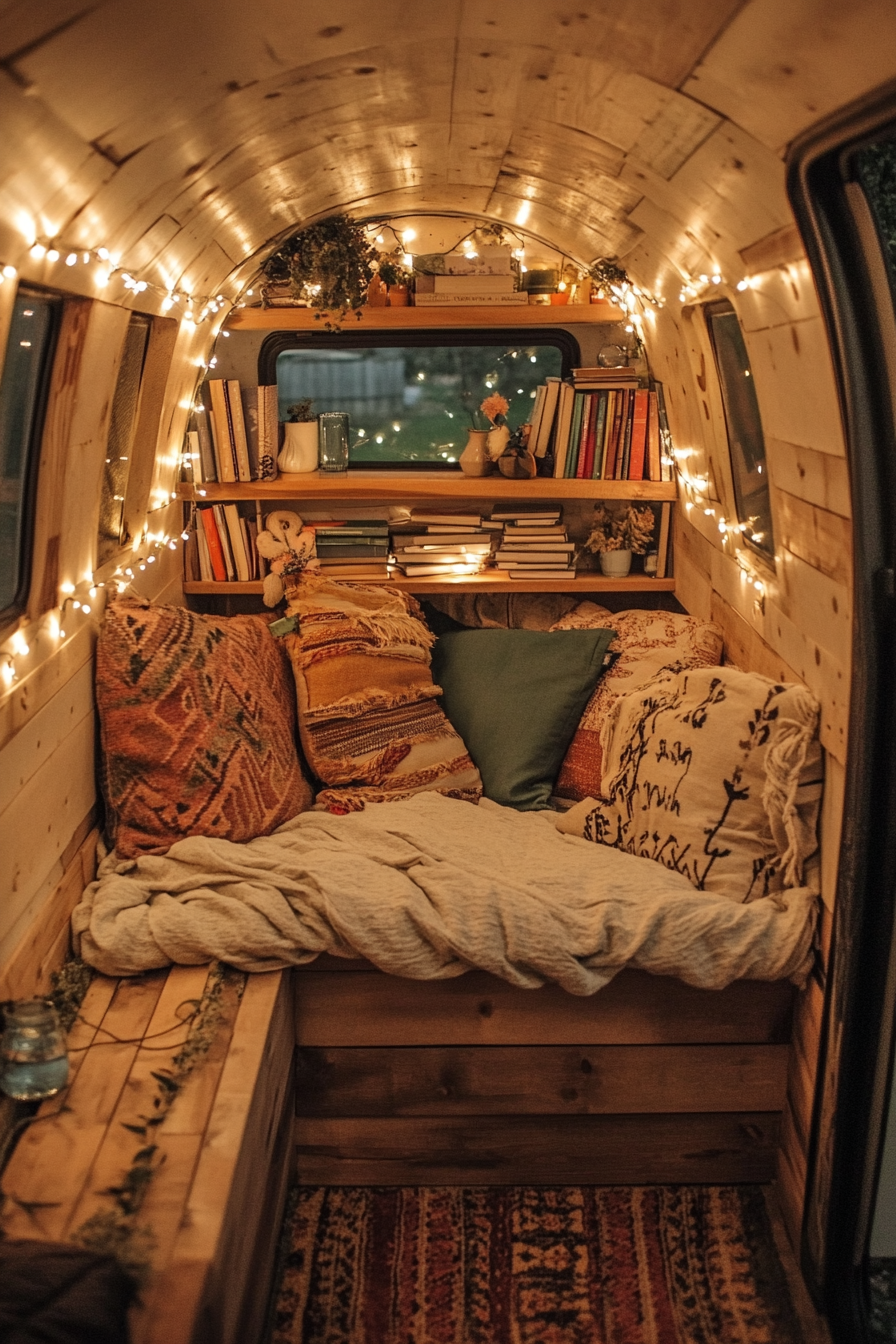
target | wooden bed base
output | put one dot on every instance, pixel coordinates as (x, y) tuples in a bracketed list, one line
[(472, 1081)]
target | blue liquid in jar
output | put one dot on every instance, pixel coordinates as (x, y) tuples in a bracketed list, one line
[(32, 1080)]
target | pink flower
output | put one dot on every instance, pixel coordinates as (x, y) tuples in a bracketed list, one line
[(494, 406)]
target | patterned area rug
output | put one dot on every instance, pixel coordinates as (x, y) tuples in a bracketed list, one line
[(533, 1265)]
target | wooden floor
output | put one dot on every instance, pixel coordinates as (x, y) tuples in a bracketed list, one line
[(473, 1081)]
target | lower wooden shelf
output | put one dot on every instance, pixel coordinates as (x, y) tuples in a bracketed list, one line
[(498, 581)]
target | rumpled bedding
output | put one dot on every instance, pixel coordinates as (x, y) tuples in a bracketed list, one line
[(428, 888)]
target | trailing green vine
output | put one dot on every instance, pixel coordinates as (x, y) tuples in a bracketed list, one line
[(115, 1231)]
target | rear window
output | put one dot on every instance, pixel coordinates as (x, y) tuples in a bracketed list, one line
[(746, 443), (26, 368)]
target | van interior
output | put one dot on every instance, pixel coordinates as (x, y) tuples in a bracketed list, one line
[(347, 349)]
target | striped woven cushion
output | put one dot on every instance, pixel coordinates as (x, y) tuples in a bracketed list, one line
[(197, 717), (369, 722)]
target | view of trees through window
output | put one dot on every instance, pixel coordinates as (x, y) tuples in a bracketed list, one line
[(413, 403)]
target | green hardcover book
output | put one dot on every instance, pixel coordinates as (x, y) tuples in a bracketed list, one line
[(597, 450), (575, 433)]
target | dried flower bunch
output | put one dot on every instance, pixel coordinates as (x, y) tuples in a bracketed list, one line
[(495, 408), (621, 527)]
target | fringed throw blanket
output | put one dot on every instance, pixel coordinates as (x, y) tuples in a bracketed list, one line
[(427, 888)]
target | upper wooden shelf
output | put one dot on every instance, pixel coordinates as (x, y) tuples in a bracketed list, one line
[(388, 486), (533, 315), (492, 581)]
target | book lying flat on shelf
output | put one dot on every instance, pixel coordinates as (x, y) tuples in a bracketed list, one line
[(448, 519), (519, 298), (465, 284)]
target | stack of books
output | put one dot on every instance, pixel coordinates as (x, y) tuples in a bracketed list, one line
[(433, 544), (353, 548), (235, 434), (225, 545), (470, 280), (534, 545)]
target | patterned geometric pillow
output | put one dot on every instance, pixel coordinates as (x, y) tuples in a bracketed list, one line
[(368, 719), (197, 720), (714, 773), (647, 642)]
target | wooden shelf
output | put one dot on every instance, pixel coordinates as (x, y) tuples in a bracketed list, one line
[(496, 581), (389, 487), (533, 315)]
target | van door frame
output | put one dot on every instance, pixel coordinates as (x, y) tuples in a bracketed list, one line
[(855, 1063)]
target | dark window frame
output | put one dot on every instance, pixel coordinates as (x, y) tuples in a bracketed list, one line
[(856, 1056), (371, 339), (726, 307), (28, 496)]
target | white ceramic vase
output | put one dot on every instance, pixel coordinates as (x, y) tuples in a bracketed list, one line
[(498, 439), (615, 564), (474, 460), (299, 451)]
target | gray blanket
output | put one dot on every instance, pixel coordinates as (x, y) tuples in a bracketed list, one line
[(428, 888)]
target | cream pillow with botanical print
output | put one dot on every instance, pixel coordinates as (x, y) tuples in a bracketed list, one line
[(715, 773)]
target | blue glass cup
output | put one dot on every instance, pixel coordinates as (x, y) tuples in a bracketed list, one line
[(33, 1055), (334, 431)]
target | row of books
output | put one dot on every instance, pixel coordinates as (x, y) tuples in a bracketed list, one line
[(480, 279), (602, 425), (235, 434), (525, 542), (225, 550)]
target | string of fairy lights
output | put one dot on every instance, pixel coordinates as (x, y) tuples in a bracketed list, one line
[(86, 598)]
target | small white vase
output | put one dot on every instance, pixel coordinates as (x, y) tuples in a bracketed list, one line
[(615, 564), (474, 460), (299, 451), (498, 439)]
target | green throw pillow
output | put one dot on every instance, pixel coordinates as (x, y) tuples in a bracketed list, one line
[(516, 697)]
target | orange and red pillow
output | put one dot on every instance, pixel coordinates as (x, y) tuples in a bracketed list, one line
[(197, 720)]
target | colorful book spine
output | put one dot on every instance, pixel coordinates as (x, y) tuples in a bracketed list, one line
[(213, 541), (596, 450), (639, 435)]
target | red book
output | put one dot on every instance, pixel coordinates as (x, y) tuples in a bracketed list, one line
[(591, 444), (216, 554), (587, 421), (639, 436), (654, 465)]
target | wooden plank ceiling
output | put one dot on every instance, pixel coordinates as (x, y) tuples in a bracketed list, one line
[(188, 135)]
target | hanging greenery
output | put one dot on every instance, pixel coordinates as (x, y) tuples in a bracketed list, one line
[(115, 1231), (328, 264), (606, 272)]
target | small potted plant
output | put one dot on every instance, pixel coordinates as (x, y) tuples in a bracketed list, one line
[(619, 531), (300, 434), (327, 264), (396, 277)]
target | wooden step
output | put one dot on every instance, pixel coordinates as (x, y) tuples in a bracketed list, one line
[(538, 1150), (360, 1008), (539, 1080), (213, 1208)]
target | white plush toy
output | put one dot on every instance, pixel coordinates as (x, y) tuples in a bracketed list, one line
[(289, 546)]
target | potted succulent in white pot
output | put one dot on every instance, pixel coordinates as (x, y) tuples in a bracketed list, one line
[(300, 440), (619, 531)]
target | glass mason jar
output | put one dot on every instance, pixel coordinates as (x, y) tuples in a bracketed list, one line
[(333, 441), (33, 1055)]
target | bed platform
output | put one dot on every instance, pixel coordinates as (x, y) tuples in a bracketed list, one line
[(474, 1081)]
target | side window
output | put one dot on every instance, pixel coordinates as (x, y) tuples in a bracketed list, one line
[(746, 444), (122, 424), (26, 368)]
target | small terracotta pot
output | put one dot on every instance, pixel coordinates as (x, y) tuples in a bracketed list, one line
[(560, 297), (377, 293), (398, 296)]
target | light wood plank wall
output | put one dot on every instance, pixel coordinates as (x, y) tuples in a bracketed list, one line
[(798, 624), (48, 728)]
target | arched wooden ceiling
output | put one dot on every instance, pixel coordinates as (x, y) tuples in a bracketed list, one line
[(188, 135)]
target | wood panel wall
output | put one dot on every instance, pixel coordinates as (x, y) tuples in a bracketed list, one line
[(797, 625)]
